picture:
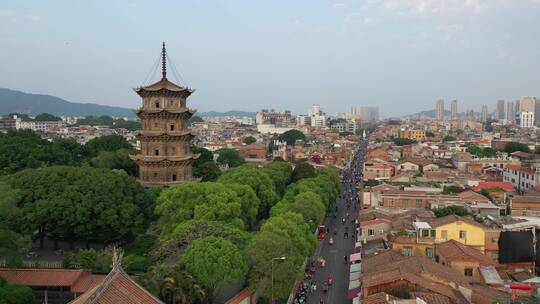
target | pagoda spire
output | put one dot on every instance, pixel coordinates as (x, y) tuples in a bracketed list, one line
[(163, 62)]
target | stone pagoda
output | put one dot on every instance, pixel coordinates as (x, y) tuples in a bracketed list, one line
[(165, 138)]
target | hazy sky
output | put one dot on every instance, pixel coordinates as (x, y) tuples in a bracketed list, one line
[(401, 55)]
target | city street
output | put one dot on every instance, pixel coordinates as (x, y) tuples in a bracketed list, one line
[(334, 253)]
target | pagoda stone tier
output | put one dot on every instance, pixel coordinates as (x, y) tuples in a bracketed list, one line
[(165, 138)]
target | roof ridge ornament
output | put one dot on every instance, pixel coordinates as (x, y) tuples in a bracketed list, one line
[(163, 62)]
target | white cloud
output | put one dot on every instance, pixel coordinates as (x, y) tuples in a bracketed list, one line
[(7, 13), (368, 21), (339, 5), (444, 7), (34, 18)]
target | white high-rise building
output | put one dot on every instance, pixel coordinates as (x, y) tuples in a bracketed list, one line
[(439, 110), (317, 117), (526, 111), (369, 114), (484, 113), (453, 108), (510, 113)]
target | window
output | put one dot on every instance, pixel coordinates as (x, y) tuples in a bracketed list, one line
[(405, 203), (444, 234), (371, 232), (468, 272), (155, 174), (418, 203), (425, 233), (433, 233), (173, 150), (156, 152), (172, 127), (462, 234), (437, 259), (174, 177), (155, 125), (157, 104), (406, 251), (429, 252)]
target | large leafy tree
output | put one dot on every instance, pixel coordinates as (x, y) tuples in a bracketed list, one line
[(285, 235), (172, 244), (229, 157), (291, 136), (47, 117), (281, 174), (215, 262), (15, 294), (200, 201), (207, 171), (303, 170), (81, 203), (107, 143), (173, 284), (21, 149), (259, 181), (308, 204), (118, 159), (513, 146), (249, 203)]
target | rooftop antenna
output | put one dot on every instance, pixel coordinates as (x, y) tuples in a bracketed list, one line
[(163, 62)]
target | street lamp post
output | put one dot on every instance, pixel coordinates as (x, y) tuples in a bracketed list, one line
[(272, 271)]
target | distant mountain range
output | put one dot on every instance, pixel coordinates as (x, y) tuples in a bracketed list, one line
[(32, 104), (12, 101), (431, 114)]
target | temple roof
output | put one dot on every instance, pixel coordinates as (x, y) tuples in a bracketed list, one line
[(117, 287), (163, 84)]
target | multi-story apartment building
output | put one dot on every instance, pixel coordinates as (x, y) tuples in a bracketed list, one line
[(38, 126), (522, 178), (419, 135), (527, 111), (277, 119)]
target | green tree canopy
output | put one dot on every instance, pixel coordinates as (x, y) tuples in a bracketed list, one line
[(430, 134), (249, 140), (195, 118), (81, 203), (15, 294), (291, 136), (249, 202), (481, 152), (308, 204), (21, 149), (173, 284), (457, 210), (303, 170), (284, 235), (449, 138), (207, 171), (281, 174), (404, 141), (200, 201), (259, 181), (214, 262), (513, 146), (107, 143), (47, 117), (229, 157), (204, 155), (118, 159)]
